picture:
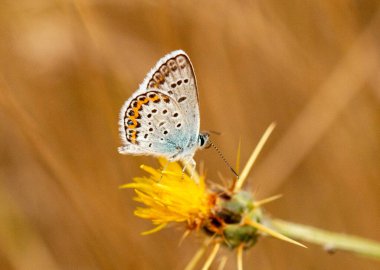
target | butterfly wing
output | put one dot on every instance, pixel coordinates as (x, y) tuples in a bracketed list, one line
[(153, 124), (174, 75), (162, 116)]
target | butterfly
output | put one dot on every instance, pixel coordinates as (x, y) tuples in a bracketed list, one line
[(162, 117)]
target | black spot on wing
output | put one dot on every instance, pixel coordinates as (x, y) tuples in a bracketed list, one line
[(181, 99)]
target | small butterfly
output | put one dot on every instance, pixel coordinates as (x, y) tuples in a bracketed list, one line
[(162, 117)]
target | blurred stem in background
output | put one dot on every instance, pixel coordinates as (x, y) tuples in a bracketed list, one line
[(329, 240)]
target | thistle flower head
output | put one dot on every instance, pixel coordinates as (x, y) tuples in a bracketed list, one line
[(171, 196)]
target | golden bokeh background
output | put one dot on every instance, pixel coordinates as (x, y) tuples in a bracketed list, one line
[(66, 67)]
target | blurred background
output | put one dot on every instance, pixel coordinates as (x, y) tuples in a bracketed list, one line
[(66, 68)]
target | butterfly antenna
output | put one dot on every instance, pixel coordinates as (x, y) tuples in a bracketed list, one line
[(214, 132), (223, 158)]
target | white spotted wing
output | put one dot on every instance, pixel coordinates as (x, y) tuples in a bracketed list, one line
[(162, 117)]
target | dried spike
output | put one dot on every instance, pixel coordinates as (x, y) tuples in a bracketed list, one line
[(184, 236), (253, 157), (239, 258), (272, 233), (211, 257), (267, 200), (222, 263), (198, 255)]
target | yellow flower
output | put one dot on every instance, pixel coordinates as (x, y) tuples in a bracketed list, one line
[(172, 196)]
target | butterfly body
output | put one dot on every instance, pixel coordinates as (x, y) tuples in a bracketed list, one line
[(162, 117)]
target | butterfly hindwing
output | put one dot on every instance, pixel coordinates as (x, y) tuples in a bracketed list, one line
[(154, 124)]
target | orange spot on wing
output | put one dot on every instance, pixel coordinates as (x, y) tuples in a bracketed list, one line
[(133, 137), (132, 118), (155, 98)]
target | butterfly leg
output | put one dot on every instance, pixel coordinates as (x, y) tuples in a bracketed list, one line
[(164, 169), (189, 164)]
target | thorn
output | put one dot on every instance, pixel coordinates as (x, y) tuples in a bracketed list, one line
[(273, 233), (267, 200)]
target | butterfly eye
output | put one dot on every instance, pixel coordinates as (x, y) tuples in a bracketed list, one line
[(204, 141), (201, 141)]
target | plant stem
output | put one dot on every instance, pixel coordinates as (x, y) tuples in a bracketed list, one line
[(329, 240)]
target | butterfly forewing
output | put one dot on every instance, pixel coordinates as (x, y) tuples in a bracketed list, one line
[(174, 75)]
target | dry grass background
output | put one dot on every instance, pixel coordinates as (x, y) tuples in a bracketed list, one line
[(66, 68)]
